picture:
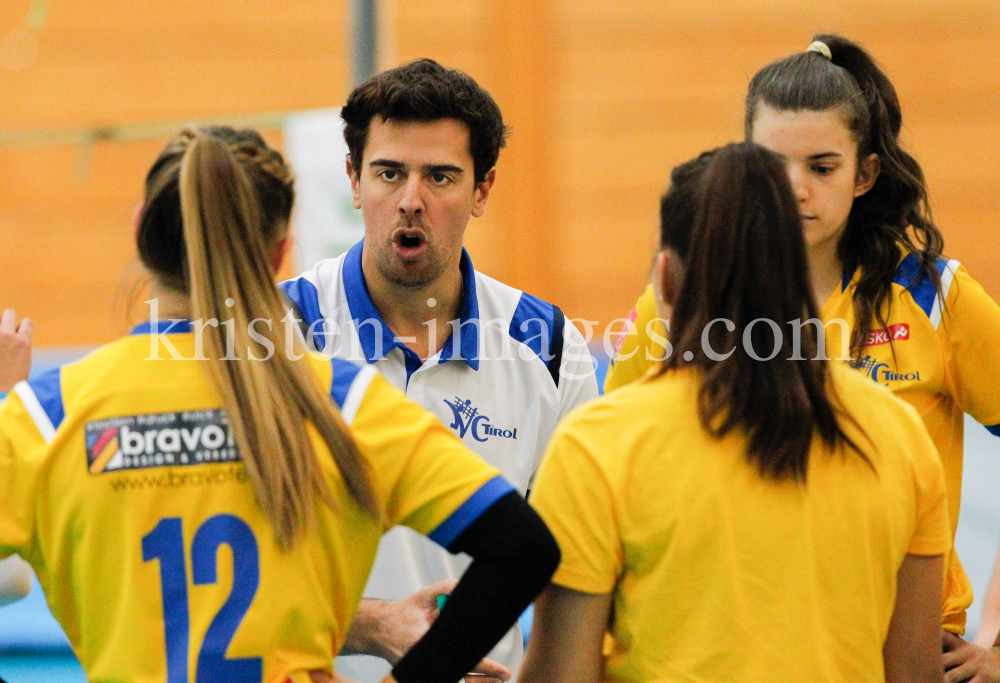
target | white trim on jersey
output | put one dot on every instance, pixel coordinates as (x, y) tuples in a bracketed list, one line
[(357, 392), (947, 277), (35, 410)]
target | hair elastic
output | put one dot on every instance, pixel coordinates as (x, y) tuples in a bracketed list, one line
[(820, 47)]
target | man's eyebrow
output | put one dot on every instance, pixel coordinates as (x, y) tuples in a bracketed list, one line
[(441, 168), (387, 163)]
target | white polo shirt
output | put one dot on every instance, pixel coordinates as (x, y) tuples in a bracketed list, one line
[(513, 367)]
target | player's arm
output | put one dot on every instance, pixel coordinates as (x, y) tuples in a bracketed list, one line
[(566, 637), (910, 653), (514, 555), (989, 628), (15, 349)]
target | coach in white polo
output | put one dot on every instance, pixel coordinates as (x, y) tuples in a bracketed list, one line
[(496, 365)]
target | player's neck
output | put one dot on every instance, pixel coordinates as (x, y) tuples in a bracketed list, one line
[(825, 268), (409, 311), (170, 304)]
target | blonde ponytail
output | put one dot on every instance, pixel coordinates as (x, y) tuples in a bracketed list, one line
[(269, 401)]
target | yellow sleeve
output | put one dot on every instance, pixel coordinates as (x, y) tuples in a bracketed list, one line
[(21, 447), (972, 322), (640, 344), (427, 479), (574, 498), (932, 530)]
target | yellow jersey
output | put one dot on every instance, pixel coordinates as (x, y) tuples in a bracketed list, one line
[(720, 575), (121, 484), (943, 360)]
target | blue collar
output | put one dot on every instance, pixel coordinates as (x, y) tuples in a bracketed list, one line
[(169, 326), (363, 310)]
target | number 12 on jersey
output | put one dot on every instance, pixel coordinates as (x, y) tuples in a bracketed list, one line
[(166, 544)]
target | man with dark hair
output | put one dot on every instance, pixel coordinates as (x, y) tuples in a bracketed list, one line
[(497, 365)]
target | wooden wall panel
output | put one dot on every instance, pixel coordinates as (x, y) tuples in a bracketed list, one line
[(604, 97), (625, 91), (66, 240)]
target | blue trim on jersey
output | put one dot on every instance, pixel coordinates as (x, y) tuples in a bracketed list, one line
[(471, 510), (306, 297), (911, 276), (344, 373), (846, 278), (534, 321), (994, 430), (176, 326), (3, 396), (468, 333), (48, 390), (412, 362), (367, 319)]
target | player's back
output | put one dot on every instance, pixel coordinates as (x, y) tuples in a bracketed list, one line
[(129, 497), (719, 573)]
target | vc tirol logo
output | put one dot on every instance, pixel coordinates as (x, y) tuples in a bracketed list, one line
[(879, 372), (467, 417), (134, 442), (897, 332)]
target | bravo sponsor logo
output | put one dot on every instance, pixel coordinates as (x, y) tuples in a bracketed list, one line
[(893, 333), (469, 419), (880, 372), (135, 442)]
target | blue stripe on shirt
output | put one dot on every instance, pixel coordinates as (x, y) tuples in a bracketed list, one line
[(994, 430), (471, 510), (532, 324), (344, 373), (48, 390), (305, 295)]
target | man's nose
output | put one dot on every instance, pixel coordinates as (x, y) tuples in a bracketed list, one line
[(411, 201)]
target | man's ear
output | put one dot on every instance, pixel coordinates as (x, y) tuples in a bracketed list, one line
[(355, 184), (868, 171), (483, 193)]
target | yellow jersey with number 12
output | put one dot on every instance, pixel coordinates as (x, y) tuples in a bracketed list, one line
[(121, 484)]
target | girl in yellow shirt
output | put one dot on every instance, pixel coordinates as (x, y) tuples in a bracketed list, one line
[(748, 513), (203, 500)]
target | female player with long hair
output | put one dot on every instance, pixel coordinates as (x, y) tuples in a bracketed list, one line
[(918, 323), (124, 474), (749, 513)]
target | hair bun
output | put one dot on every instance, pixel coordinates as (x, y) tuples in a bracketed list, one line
[(820, 47)]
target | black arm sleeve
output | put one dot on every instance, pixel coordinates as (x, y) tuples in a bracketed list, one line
[(514, 556)]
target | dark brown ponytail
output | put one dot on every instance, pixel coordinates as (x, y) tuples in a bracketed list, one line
[(747, 274)]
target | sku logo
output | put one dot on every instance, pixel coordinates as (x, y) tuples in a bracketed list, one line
[(468, 418), (136, 442), (893, 333), (879, 372)]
